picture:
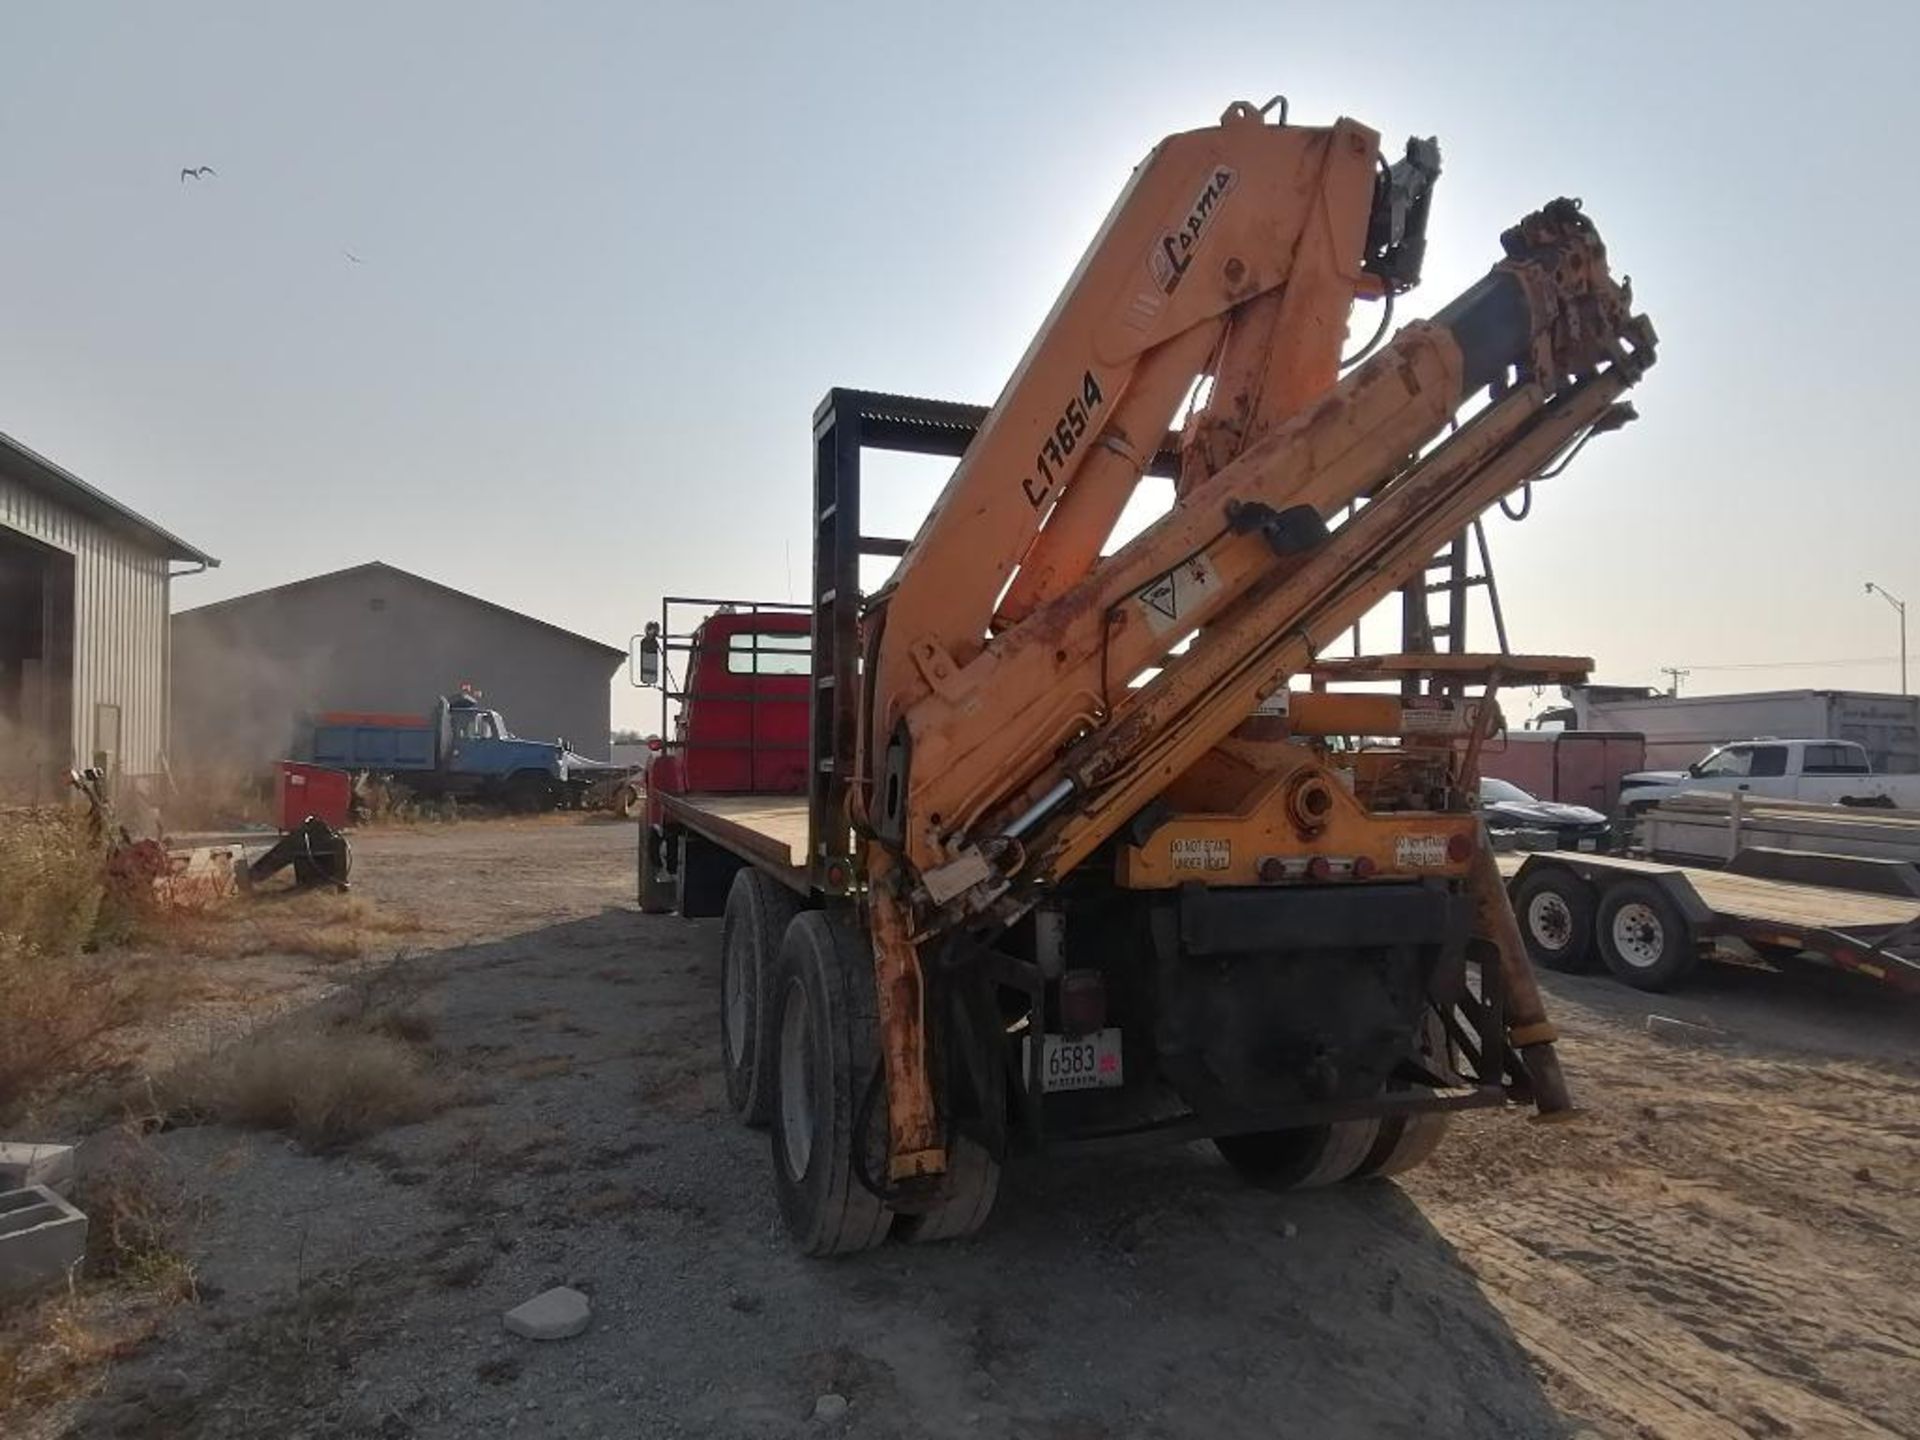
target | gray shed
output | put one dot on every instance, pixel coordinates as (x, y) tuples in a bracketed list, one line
[(251, 672), (83, 628)]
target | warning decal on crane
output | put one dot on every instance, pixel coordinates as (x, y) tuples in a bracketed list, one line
[(1177, 594)]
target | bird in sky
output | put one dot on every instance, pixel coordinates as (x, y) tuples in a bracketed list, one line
[(196, 172), (353, 257)]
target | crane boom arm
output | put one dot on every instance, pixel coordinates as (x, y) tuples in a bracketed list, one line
[(1024, 699)]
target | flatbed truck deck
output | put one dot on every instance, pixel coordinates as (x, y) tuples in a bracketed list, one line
[(1650, 922), (767, 831)]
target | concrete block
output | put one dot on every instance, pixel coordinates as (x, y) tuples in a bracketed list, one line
[(556, 1314), (42, 1237), (29, 1162)]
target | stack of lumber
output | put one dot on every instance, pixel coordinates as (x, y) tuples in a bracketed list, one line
[(1716, 826)]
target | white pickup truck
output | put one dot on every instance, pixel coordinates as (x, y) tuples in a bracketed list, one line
[(1821, 772)]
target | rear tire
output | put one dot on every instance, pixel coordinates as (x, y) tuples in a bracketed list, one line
[(1643, 938), (973, 1184), (824, 1057), (1405, 1141), (1304, 1158), (657, 892), (1555, 909), (1410, 1138), (758, 911)]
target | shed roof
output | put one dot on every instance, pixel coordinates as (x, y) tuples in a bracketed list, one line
[(380, 567), (34, 470)]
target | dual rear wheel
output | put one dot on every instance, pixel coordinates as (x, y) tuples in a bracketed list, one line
[(799, 1043), (1309, 1157)]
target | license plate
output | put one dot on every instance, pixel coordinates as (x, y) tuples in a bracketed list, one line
[(1588, 844), (1081, 1062)]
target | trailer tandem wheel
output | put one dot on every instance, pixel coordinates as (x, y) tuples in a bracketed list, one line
[(1555, 909), (1644, 939), (825, 1057), (1303, 1158), (758, 911)]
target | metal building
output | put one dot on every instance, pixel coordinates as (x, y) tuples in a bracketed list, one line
[(83, 628), (251, 672)]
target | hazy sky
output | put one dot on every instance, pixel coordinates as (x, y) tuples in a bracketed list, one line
[(611, 255)]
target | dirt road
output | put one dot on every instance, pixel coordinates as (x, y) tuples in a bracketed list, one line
[(1724, 1245)]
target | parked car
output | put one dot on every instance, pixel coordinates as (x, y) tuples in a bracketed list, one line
[(1823, 772), (1505, 806)]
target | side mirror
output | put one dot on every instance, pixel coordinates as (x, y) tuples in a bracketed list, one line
[(644, 661)]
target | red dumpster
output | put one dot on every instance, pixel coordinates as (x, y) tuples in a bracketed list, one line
[(303, 790)]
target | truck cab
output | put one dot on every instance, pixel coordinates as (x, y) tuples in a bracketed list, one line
[(476, 742), (734, 681)]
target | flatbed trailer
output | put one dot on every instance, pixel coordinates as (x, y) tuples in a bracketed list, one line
[(1651, 923)]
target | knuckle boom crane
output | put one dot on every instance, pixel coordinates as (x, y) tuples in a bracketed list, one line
[(1106, 873)]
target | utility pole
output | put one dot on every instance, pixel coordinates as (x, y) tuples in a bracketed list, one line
[(1676, 675), (1901, 606)]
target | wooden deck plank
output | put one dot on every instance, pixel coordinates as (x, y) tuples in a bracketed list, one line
[(772, 828)]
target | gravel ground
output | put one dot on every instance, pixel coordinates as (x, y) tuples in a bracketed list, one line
[(1723, 1245)]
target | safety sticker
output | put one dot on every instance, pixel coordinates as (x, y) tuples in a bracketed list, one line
[(1179, 593), (1202, 854), (1425, 715)]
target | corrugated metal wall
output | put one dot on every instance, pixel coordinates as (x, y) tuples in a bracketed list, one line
[(119, 625)]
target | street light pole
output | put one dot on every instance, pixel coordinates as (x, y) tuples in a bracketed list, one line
[(1901, 606)]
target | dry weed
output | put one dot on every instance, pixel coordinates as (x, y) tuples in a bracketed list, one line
[(137, 1218), (58, 1351), (52, 878), (136, 1264), (55, 1004), (319, 924), (326, 1087)]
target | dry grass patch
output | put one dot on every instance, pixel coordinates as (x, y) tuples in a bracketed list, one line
[(319, 924), (138, 1219), (326, 1086), (57, 1003), (58, 1351), (329, 1079), (82, 956), (138, 1216)]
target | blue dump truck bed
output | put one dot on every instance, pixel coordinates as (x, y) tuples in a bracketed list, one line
[(374, 742)]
